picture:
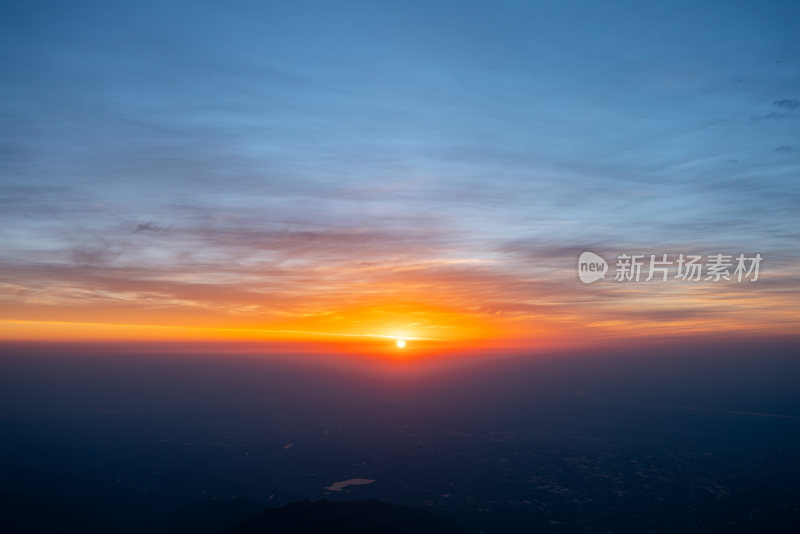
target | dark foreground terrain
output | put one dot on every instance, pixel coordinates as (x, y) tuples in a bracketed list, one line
[(704, 441), (247, 517), (354, 517)]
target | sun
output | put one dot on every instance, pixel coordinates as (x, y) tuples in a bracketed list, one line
[(401, 343)]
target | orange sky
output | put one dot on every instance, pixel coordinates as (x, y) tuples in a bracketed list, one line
[(433, 307)]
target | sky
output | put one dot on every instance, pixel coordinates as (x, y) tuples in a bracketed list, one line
[(355, 172)]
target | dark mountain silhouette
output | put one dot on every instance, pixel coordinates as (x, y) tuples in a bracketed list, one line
[(353, 517), (209, 517), (233, 516)]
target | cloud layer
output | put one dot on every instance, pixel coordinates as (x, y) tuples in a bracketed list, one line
[(384, 169)]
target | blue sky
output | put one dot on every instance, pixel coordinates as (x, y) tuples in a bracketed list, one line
[(208, 138)]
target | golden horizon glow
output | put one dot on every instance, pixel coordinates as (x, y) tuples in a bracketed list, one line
[(470, 312)]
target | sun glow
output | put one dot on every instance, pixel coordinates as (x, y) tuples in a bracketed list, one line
[(400, 343)]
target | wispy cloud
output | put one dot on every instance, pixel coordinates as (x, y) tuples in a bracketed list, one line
[(787, 103)]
